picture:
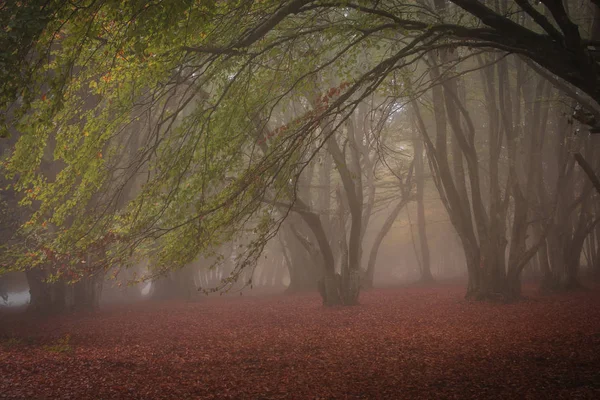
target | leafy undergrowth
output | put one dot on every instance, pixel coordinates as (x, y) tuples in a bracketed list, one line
[(399, 344)]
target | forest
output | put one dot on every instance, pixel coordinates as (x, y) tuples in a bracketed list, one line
[(310, 199)]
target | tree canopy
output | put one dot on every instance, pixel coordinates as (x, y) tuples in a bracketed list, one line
[(166, 128)]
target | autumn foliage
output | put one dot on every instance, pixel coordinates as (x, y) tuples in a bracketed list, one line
[(406, 343)]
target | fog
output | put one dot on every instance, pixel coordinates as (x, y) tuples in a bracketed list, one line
[(300, 199)]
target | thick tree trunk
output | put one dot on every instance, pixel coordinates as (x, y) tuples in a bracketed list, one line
[(350, 275), (344, 278), (542, 255), (421, 223), (571, 281), (57, 297), (596, 253), (45, 298), (573, 254), (328, 284), (87, 292), (475, 269)]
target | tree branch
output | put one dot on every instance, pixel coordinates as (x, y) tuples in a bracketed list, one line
[(589, 171)]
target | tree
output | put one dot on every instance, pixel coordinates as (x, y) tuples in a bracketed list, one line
[(211, 75)]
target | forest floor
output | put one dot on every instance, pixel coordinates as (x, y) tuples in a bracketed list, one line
[(403, 343)]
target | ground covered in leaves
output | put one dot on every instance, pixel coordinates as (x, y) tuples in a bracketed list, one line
[(403, 343)]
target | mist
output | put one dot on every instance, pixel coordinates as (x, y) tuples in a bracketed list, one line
[(300, 199)]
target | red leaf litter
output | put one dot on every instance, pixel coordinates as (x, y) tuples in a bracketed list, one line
[(409, 343)]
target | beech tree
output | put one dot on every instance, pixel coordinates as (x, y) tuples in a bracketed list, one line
[(206, 78)]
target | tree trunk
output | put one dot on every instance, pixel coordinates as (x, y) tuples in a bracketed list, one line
[(45, 297), (350, 275), (56, 297), (87, 292), (177, 284), (596, 253), (328, 284), (387, 225), (546, 282), (421, 223), (302, 260), (458, 210)]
